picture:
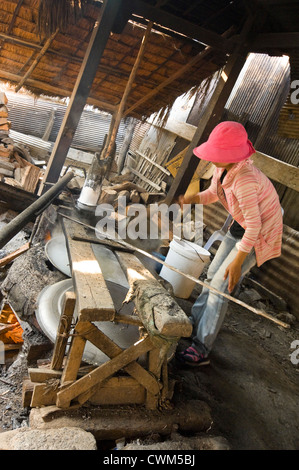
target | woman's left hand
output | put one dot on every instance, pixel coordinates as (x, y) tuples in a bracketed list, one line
[(233, 272)]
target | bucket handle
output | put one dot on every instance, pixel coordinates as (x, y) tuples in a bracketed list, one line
[(189, 243)]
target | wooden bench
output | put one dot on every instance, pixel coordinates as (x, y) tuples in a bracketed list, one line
[(121, 379)]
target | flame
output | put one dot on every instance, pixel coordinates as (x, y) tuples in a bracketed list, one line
[(48, 236)]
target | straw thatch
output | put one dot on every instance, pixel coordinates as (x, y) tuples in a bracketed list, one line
[(31, 24), (49, 38)]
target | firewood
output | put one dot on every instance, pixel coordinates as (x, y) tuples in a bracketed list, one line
[(5, 172), (27, 175), (134, 196), (108, 196), (127, 177), (3, 98), (150, 198), (5, 163), (3, 111), (127, 186), (5, 126), (3, 121), (124, 194)]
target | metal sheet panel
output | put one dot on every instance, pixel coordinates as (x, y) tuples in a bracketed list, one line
[(31, 116), (281, 275)]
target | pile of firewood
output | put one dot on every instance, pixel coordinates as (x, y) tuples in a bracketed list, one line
[(16, 167), (132, 193)]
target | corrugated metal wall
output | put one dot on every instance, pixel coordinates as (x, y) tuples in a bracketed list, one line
[(261, 91), (31, 116)]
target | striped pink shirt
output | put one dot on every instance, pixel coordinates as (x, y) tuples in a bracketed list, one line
[(253, 202)]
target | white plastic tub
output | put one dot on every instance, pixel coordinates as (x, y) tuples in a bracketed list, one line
[(188, 258)]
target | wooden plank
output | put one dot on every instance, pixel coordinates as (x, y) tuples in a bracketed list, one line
[(180, 128), (127, 319), (86, 234), (133, 268), (105, 344), (94, 302), (153, 162), (277, 170), (103, 372), (74, 359), (63, 330), (143, 178), (119, 391), (44, 394), (96, 47), (40, 375), (27, 392), (154, 367)]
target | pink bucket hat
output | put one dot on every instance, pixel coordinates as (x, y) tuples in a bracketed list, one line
[(227, 143)]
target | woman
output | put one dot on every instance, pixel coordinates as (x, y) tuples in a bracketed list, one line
[(254, 237)]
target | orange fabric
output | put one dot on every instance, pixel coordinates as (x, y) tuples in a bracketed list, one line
[(10, 329)]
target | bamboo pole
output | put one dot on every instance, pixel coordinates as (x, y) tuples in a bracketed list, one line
[(201, 55), (128, 88), (188, 276), (36, 60)]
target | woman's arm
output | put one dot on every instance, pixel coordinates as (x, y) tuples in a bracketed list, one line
[(205, 197), (234, 270)]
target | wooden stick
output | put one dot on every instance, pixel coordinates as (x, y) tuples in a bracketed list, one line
[(7, 259), (36, 60), (192, 278), (63, 330), (122, 104)]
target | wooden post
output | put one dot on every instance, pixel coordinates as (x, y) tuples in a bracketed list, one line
[(81, 90), (209, 120), (212, 114)]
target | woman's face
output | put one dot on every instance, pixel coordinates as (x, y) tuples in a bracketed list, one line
[(227, 166)]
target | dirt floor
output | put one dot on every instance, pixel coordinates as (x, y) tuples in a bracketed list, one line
[(251, 385)]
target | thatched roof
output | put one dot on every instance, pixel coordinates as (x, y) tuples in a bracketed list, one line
[(56, 62)]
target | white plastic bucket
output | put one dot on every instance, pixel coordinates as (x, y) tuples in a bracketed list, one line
[(188, 258)]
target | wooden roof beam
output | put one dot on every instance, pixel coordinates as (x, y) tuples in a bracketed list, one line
[(174, 23)]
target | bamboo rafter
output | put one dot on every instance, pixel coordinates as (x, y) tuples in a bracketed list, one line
[(37, 60), (11, 24)]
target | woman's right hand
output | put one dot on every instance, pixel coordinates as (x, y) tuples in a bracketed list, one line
[(194, 199), (181, 200)]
